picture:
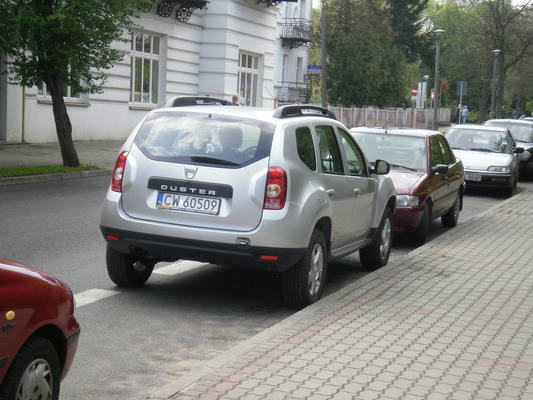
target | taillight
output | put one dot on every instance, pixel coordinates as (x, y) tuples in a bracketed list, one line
[(118, 172), (276, 189)]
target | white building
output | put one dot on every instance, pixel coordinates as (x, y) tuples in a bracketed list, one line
[(254, 48)]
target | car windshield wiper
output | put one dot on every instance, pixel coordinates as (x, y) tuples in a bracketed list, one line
[(483, 149), (460, 148), (403, 166), (213, 160)]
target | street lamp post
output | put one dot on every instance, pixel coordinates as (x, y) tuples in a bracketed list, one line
[(494, 83), (438, 32), (323, 53), (425, 91)]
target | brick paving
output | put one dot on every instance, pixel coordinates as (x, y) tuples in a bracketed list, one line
[(452, 320)]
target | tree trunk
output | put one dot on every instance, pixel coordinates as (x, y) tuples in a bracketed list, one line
[(484, 99), (63, 125)]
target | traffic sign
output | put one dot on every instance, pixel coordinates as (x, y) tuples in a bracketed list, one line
[(414, 91)]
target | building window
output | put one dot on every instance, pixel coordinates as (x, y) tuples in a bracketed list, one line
[(248, 78), (69, 94), (145, 60)]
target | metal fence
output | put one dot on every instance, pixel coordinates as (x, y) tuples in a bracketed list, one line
[(401, 117)]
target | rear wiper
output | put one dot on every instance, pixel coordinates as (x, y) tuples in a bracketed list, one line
[(213, 160), (403, 166)]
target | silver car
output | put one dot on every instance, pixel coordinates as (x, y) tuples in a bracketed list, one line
[(282, 190), (489, 155)]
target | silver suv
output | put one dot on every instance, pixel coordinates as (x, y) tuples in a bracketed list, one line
[(284, 190)]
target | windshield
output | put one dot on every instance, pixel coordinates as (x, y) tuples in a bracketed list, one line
[(407, 152), (478, 139), (203, 138), (522, 132)]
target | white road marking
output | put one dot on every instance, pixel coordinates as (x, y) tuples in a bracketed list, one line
[(178, 267), (92, 295)]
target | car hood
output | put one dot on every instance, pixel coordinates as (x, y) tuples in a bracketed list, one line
[(404, 181), (481, 160)]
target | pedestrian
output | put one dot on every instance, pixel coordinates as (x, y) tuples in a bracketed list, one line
[(515, 114), (235, 100), (464, 114)]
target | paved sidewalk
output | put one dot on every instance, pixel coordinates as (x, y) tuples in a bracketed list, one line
[(453, 320), (102, 153)]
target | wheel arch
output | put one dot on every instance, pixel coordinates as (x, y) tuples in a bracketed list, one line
[(53, 334)]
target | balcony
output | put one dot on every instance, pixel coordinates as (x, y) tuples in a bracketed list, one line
[(293, 92), (296, 32), (184, 10)]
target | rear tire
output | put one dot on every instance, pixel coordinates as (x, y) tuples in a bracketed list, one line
[(449, 220), (127, 270), (377, 254), (303, 284), (35, 372)]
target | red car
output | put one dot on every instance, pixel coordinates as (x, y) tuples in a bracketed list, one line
[(39, 333), (429, 179)]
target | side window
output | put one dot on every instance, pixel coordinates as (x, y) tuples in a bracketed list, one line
[(356, 161), (306, 147), (447, 155), (330, 154), (436, 154)]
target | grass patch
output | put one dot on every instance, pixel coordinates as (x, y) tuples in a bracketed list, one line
[(44, 170)]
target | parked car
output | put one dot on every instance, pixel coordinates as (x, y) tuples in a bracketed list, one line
[(282, 190), (489, 154), (39, 333), (429, 180), (522, 131)]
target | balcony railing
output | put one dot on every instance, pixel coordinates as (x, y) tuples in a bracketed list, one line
[(274, 2), (166, 7), (296, 32), (293, 92)]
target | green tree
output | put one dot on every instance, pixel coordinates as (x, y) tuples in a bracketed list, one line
[(63, 43), (364, 65), (409, 27)]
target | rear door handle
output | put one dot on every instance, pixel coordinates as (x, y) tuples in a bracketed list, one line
[(331, 192), (356, 192)]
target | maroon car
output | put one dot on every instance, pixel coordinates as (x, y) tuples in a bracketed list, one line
[(39, 333), (429, 179)]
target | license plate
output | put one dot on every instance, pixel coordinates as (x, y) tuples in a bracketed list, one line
[(472, 177), (193, 204)]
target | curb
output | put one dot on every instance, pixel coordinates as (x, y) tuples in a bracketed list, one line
[(53, 177)]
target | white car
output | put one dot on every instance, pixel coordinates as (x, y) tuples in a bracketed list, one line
[(282, 190), (489, 155)]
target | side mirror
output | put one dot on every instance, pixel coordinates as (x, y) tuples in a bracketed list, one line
[(518, 150), (381, 167), (440, 169)]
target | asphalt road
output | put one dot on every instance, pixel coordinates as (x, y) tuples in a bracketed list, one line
[(134, 341)]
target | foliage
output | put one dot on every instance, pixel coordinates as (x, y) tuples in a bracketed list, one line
[(473, 29), (409, 27), (44, 170), (63, 43), (364, 65)]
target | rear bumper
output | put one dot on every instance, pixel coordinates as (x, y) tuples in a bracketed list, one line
[(163, 248)]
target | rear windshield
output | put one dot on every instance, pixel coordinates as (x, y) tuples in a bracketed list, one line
[(522, 132), (204, 138)]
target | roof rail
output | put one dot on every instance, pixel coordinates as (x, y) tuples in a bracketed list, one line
[(183, 101), (300, 110)]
